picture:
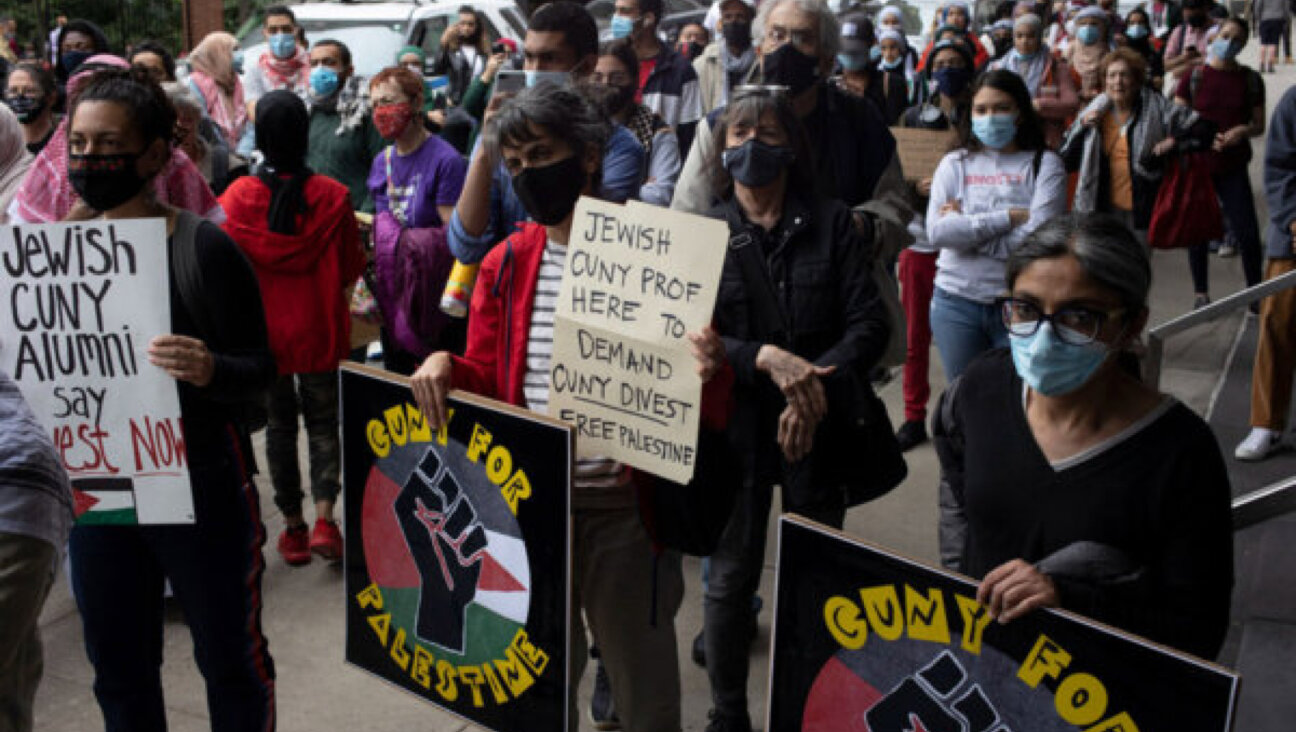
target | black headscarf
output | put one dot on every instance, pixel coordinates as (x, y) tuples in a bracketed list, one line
[(282, 134), (84, 27)]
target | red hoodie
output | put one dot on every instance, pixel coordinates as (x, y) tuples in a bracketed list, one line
[(305, 277)]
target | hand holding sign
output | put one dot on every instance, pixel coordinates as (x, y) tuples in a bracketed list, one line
[(183, 358)]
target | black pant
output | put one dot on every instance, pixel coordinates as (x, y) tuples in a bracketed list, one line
[(315, 398), (1242, 230)]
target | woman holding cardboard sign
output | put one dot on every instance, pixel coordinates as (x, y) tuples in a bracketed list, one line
[(119, 139), (800, 359), (551, 141)]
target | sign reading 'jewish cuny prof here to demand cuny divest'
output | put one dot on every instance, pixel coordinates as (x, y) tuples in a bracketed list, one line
[(80, 304), (638, 279)]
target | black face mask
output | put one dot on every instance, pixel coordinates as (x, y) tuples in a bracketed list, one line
[(105, 182), (25, 109), (549, 193), (691, 50), (755, 164), (1197, 21), (788, 67), (1002, 46), (738, 35)]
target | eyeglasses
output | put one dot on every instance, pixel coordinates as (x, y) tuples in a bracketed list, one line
[(758, 90), (1074, 324), (32, 94), (805, 40)]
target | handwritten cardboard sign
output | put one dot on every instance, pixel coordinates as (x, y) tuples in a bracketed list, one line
[(921, 151), (81, 303), (866, 640), (638, 278)]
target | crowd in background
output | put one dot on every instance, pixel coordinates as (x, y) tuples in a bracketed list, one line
[(433, 202)]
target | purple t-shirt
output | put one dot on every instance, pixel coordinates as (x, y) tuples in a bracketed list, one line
[(412, 186)]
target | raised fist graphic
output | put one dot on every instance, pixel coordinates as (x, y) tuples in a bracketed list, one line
[(928, 702), (447, 543)]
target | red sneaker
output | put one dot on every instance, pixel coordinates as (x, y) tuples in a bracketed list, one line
[(294, 546), (326, 540)]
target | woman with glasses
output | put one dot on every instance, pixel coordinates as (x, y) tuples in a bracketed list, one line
[(986, 197), (31, 93), (1065, 480), (613, 86)]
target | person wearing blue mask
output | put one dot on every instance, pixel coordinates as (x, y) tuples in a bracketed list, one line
[(283, 65), (77, 41), (1049, 79), (987, 196), (1138, 37), (343, 139), (667, 82), (861, 75), (1065, 480), (1232, 96), (1092, 41), (942, 87)]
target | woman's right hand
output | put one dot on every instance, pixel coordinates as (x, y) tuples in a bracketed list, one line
[(1018, 216), (1091, 118), (1165, 147), (492, 67), (924, 187), (797, 378), (431, 385), (795, 434)]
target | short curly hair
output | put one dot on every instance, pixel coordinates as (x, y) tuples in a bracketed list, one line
[(409, 82), (1131, 58)]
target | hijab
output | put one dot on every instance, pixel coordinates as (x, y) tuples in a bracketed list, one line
[(1031, 70), (212, 64), (14, 158), (282, 134)]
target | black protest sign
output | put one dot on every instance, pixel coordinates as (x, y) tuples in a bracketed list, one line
[(458, 552), (867, 641)]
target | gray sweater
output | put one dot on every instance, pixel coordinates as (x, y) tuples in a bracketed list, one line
[(1270, 9)]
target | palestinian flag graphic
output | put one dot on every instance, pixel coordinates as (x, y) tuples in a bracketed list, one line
[(104, 501), (446, 553)]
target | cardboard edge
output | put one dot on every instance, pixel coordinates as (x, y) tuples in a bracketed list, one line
[(812, 525)]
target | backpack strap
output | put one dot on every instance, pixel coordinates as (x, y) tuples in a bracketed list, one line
[(187, 273), (1035, 164), (771, 326)]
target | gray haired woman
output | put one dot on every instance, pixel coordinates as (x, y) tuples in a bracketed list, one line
[(201, 140), (1068, 482)]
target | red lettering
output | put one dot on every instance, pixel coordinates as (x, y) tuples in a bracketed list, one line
[(162, 443)]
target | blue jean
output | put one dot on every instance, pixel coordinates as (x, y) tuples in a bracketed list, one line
[(215, 568), (964, 329), (1237, 204)]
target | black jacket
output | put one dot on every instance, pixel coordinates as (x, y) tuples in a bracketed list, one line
[(831, 315)]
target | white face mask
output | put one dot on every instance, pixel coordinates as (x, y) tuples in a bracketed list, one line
[(416, 68)]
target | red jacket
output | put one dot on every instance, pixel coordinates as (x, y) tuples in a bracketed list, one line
[(306, 277), (494, 362)]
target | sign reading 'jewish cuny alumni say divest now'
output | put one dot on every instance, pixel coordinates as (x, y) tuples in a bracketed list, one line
[(638, 279), (81, 303), (868, 641), (457, 552)]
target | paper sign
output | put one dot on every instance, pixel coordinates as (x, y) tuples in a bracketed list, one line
[(638, 278), (869, 641), (81, 303), (458, 553), (921, 151)]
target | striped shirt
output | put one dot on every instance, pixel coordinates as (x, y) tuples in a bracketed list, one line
[(592, 472)]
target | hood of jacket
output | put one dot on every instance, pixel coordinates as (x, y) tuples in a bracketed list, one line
[(247, 204)]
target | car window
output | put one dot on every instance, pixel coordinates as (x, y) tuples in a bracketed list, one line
[(371, 46), (428, 35)]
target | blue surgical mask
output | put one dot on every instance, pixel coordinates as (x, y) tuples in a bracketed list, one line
[(323, 81), (1052, 366), (1026, 56), (557, 77), (891, 65), (1088, 34), (283, 45), (1223, 49), (622, 26), (1136, 31), (853, 61), (73, 59), (875, 53), (952, 81), (995, 131), (236, 63)]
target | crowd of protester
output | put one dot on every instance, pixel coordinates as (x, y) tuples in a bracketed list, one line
[(313, 198)]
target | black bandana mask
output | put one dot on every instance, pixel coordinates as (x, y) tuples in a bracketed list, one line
[(786, 66), (105, 182), (549, 193)]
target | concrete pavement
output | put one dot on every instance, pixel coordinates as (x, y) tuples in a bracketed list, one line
[(304, 607)]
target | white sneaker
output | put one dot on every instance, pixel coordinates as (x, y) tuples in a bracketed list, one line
[(1258, 444), (1226, 251)]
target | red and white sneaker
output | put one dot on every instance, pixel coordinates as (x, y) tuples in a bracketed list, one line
[(326, 540), (295, 545)]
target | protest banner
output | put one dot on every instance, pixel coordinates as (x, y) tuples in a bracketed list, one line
[(921, 150), (868, 641), (638, 279), (82, 301), (457, 558)]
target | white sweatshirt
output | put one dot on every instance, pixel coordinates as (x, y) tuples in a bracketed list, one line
[(975, 242)]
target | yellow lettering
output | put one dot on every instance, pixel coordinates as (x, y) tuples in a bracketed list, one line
[(926, 620), (844, 622), (472, 676), (419, 431), (1120, 723), (492, 681), (379, 441), (535, 658), (396, 424), (1081, 699), (445, 681), (499, 465), (882, 606), (443, 433), (380, 624), (421, 670), (398, 652), (975, 620), (517, 489), (478, 443), (514, 673), (370, 597), (1046, 659)]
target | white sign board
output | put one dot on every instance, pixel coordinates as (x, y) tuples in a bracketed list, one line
[(81, 303), (638, 279)]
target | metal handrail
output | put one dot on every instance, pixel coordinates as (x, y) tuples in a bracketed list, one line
[(1156, 336)]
